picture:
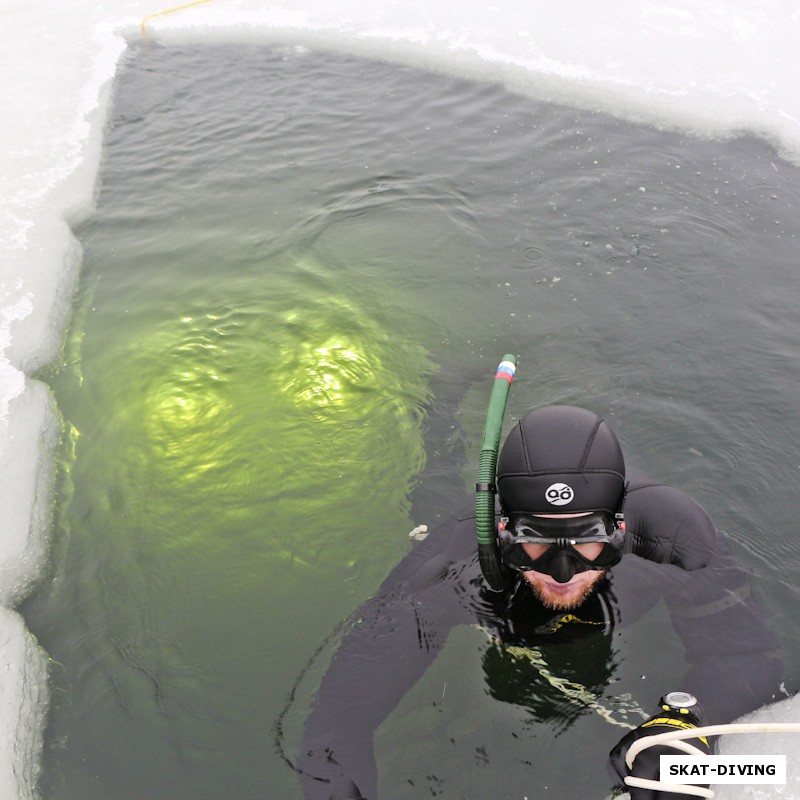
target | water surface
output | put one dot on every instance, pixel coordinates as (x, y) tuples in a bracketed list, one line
[(302, 270)]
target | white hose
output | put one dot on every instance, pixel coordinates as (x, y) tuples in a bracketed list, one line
[(646, 783), (673, 738)]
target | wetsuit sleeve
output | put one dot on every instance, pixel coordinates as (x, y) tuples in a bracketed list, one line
[(392, 641), (666, 526), (735, 660)]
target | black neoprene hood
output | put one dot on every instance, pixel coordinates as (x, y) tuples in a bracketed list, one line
[(561, 460)]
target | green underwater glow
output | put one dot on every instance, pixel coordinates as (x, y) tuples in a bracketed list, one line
[(241, 412)]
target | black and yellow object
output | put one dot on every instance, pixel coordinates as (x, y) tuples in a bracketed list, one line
[(681, 711), (677, 711)]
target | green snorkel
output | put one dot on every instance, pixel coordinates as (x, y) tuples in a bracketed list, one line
[(496, 575)]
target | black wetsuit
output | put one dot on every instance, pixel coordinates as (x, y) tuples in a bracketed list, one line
[(734, 666)]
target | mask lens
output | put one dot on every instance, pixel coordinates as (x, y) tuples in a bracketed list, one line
[(530, 528)]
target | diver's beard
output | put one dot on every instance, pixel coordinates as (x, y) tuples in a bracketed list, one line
[(565, 602)]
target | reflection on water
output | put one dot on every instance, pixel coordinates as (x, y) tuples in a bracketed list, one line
[(299, 278)]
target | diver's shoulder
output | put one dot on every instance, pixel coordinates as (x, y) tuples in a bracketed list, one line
[(667, 526), (643, 494)]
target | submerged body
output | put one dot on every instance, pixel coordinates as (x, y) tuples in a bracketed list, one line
[(734, 665)]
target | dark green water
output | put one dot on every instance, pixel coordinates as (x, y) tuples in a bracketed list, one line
[(301, 273)]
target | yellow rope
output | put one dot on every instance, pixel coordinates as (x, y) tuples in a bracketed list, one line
[(169, 11)]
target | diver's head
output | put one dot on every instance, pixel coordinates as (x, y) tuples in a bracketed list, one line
[(561, 481), (561, 460)]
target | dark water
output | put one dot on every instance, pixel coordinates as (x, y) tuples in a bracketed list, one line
[(302, 271)]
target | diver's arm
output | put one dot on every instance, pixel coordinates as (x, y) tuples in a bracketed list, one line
[(388, 648), (733, 655), (735, 661), (734, 665), (393, 639)]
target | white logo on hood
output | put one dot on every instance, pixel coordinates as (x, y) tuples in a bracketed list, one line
[(559, 494)]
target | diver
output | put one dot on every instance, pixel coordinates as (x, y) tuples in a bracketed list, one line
[(578, 548)]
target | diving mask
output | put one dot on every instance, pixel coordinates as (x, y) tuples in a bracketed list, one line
[(562, 538)]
